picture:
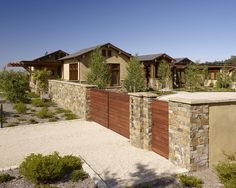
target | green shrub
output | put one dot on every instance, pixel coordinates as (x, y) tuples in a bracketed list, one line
[(22, 119), (5, 178), (226, 171), (70, 116), (53, 119), (49, 168), (38, 102), (190, 181), (13, 124), (61, 110), (77, 175), (44, 113), (33, 121), (20, 108), (72, 163), (33, 95), (15, 85)]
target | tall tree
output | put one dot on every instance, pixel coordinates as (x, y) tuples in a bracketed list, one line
[(164, 74), (99, 72), (41, 78), (135, 80)]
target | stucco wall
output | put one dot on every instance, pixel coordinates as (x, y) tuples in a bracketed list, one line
[(222, 131)]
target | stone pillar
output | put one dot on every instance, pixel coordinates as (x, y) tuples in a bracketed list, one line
[(189, 135), (141, 119)]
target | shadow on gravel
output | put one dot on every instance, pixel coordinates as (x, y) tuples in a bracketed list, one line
[(142, 178)]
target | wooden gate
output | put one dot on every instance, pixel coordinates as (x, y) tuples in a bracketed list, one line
[(111, 110), (119, 113), (99, 106), (160, 128)]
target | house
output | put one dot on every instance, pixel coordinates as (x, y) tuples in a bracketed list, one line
[(49, 61), (77, 65), (179, 66), (151, 63)]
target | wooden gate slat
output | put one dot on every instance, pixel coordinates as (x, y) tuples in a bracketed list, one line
[(160, 128)]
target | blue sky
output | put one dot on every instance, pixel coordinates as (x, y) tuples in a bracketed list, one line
[(201, 30)]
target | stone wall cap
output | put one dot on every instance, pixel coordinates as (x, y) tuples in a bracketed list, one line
[(73, 83), (143, 94), (201, 97)]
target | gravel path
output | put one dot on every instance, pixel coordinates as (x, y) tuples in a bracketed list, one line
[(110, 155)]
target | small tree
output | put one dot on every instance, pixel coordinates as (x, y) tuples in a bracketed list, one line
[(203, 75), (135, 80), (192, 77), (223, 79), (41, 77), (99, 73), (164, 74)]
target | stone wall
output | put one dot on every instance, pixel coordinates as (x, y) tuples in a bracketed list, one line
[(188, 135), (141, 119), (72, 96)]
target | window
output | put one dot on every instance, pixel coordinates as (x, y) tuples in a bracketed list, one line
[(109, 53), (104, 53)]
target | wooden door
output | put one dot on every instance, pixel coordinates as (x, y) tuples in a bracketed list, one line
[(115, 74), (73, 71)]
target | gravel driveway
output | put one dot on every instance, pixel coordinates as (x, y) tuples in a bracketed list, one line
[(110, 155)]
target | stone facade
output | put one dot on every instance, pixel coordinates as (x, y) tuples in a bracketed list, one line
[(141, 119), (72, 96), (189, 135)]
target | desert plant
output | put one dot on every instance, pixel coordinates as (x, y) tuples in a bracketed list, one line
[(53, 119), (6, 177), (49, 168), (70, 116), (46, 186), (33, 121), (77, 175), (33, 95), (41, 77), (164, 75), (20, 107), (44, 113), (22, 119), (13, 124), (38, 102), (190, 181), (226, 171), (15, 85), (135, 80), (99, 72)]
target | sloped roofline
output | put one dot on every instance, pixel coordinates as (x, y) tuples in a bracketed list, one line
[(87, 50)]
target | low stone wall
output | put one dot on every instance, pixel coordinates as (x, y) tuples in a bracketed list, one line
[(72, 96)]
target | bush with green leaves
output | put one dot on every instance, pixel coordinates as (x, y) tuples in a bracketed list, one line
[(99, 71), (190, 181), (44, 113), (135, 80), (6, 177), (49, 168), (226, 171), (77, 175), (20, 107), (15, 85)]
